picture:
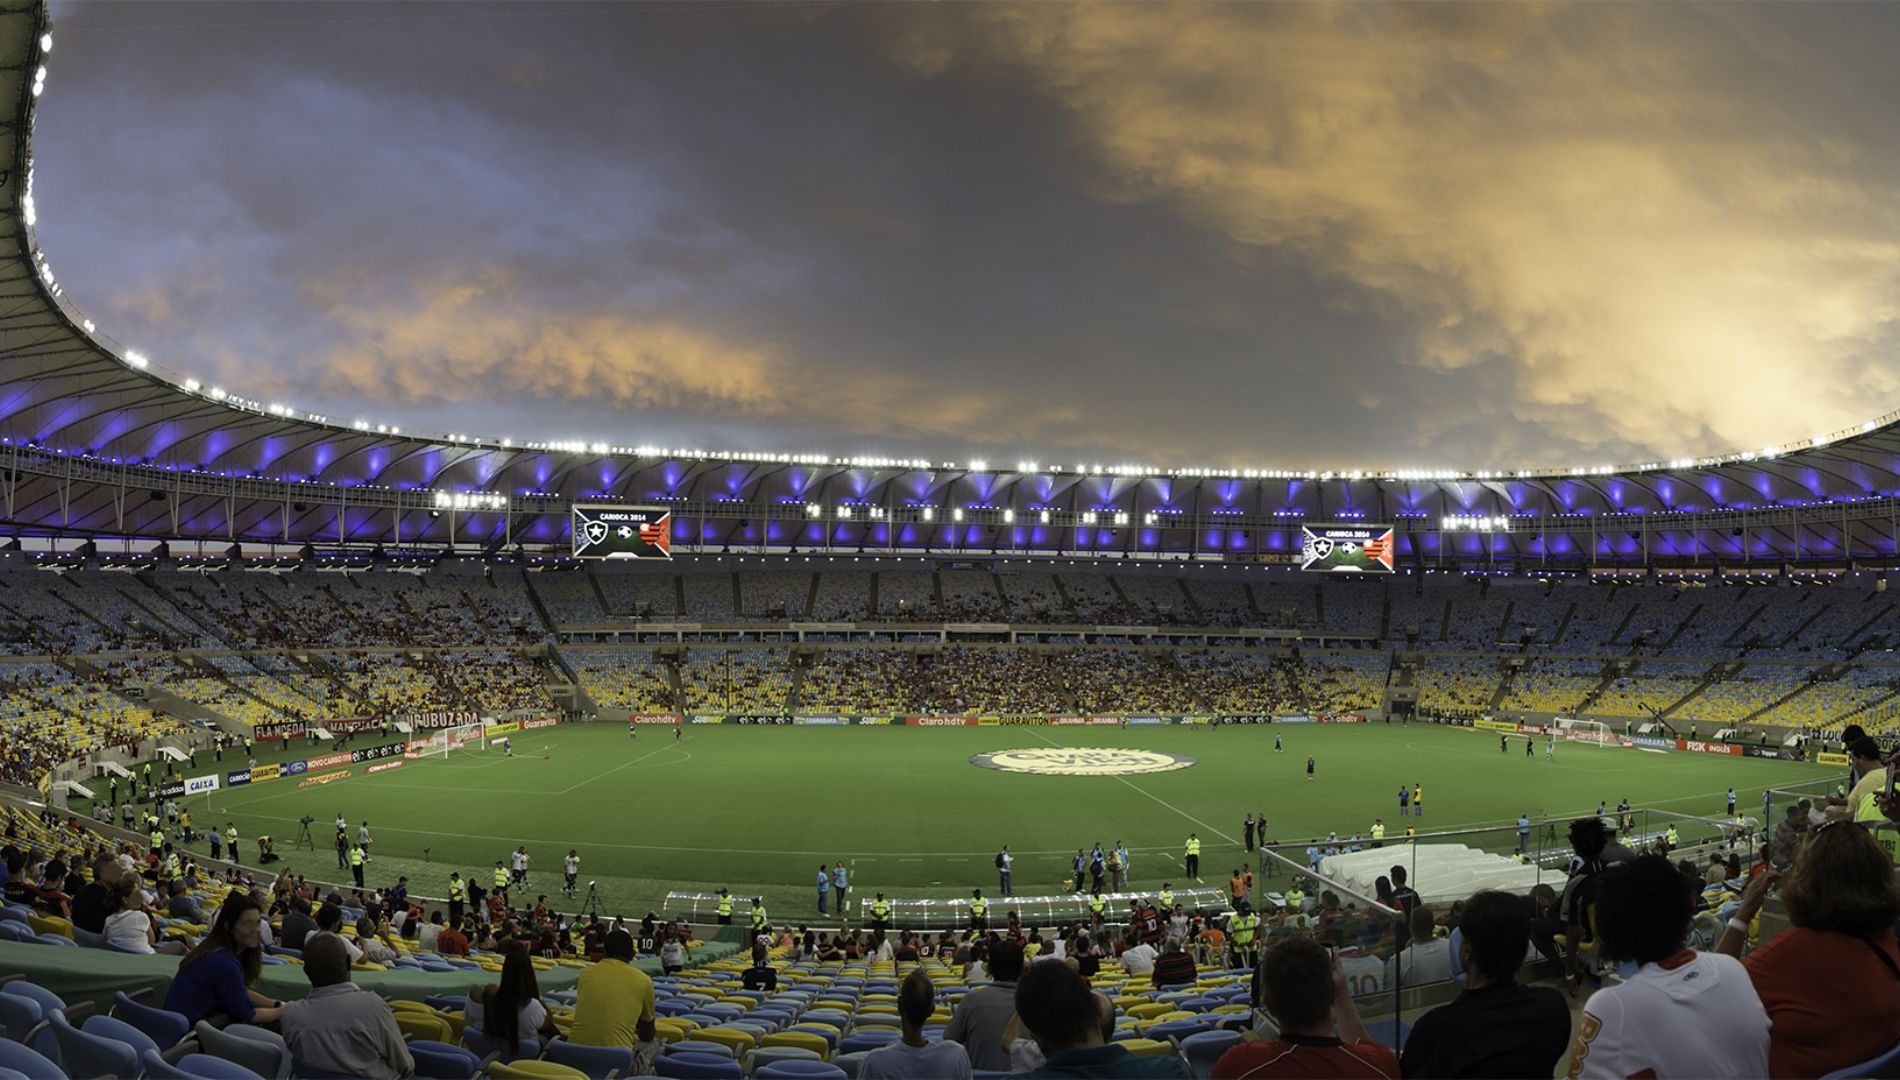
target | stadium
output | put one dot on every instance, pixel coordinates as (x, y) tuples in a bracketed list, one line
[(1018, 698)]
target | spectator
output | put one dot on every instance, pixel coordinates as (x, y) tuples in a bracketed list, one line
[(915, 1057), (511, 1008), (983, 1013), (1320, 1031), (761, 975), (370, 939), (1588, 839), (427, 933), (129, 928), (89, 903), (330, 921), (1831, 984), (1426, 959), (1138, 958), (342, 1029), (1494, 1027), (182, 905), (1404, 897), (452, 941), (615, 1007), (215, 977), (1682, 1013), (1065, 1018), (1175, 967)]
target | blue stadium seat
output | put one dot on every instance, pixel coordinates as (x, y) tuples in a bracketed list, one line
[(698, 1046), (797, 1069), (1884, 1067), (868, 1040), (595, 1061), (697, 1067), (195, 1067), (1176, 1030), (85, 1054), (20, 1059), (527, 1047), (440, 1061), (1204, 1049)]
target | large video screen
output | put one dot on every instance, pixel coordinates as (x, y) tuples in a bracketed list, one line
[(623, 532), (1346, 549)]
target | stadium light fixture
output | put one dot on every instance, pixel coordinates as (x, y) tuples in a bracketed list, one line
[(930, 513), (1009, 517), (979, 465), (813, 510), (844, 512), (1045, 517), (46, 42), (956, 514)]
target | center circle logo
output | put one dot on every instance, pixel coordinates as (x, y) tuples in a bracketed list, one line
[(1081, 761)]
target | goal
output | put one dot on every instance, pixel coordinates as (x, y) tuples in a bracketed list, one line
[(441, 742), (1593, 732)]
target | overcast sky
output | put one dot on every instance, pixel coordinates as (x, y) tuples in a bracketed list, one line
[(1228, 234)]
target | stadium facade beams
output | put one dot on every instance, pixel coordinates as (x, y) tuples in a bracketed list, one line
[(98, 441)]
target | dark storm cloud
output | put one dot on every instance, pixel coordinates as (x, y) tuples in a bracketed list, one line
[(1223, 234)]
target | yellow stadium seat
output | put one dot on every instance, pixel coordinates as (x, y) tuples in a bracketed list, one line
[(534, 1069), (1147, 1047), (1149, 1010), (804, 1040), (418, 1026)]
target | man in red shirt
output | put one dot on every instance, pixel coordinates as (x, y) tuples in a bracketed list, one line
[(1305, 990), (451, 942)]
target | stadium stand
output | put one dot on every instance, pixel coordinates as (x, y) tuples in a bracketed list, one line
[(624, 680)]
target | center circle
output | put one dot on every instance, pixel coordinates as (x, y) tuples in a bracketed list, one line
[(1081, 761)]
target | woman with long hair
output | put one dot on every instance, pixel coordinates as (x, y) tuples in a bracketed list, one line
[(512, 1007), (1831, 983), (216, 976)]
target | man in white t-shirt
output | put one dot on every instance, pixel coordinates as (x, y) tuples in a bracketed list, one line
[(1139, 959), (914, 1057), (1684, 1013), (1426, 960), (520, 861), (427, 932), (570, 871)]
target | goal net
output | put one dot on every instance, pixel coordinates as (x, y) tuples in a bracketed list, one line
[(442, 742), (1591, 732)]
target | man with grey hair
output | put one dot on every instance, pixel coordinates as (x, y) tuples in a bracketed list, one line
[(342, 1029)]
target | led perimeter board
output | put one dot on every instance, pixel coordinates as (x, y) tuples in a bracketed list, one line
[(623, 532), (1346, 549)]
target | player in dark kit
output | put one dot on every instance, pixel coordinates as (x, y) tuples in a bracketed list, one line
[(1309, 766)]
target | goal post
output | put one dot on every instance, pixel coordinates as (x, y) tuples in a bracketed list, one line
[(1591, 732), (442, 741)]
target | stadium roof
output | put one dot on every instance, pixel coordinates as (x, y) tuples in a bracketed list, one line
[(100, 439)]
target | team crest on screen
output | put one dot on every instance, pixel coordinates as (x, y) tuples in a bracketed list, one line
[(1081, 761)]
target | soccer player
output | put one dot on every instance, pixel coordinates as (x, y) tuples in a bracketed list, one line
[(1504, 743), (571, 870), (507, 747), (1309, 766), (1550, 748), (1405, 800), (1530, 745), (1276, 742)]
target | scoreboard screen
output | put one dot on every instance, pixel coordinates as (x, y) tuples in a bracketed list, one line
[(623, 532), (1346, 549)]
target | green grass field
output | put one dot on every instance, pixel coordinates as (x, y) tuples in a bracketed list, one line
[(757, 809)]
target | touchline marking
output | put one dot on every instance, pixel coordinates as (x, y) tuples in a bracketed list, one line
[(1148, 793)]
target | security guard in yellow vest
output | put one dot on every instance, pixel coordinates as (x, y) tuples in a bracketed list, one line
[(1098, 907), (1378, 832), (759, 919), (725, 908), (458, 899), (230, 841), (1167, 897), (356, 863), (880, 913), (158, 838), (1670, 838), (1194, 856), (172, 868), (979, 911), (1244, 925), (1296, 900), (501, 880)]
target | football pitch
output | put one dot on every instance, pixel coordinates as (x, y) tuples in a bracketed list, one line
[(757, 809)]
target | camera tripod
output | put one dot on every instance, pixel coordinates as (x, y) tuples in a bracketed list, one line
[(590, 908), (304, 839)]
